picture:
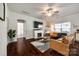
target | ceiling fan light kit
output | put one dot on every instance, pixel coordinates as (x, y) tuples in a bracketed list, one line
[(50, 12)]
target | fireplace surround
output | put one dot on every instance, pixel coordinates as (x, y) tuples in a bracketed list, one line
[(38, 33)]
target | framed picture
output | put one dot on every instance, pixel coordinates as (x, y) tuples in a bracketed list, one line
[(2, 11)]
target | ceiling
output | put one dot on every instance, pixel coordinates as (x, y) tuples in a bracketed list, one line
[(36, 9)]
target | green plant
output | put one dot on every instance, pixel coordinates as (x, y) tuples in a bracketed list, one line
[(11, 34)]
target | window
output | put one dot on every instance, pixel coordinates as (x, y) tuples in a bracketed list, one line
[(61, 27), (57, 27), (66, 27)]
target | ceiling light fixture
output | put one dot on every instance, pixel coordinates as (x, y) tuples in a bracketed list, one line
[(50, 12)]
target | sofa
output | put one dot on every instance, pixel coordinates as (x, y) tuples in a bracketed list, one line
[(61, 46), (55, 35)]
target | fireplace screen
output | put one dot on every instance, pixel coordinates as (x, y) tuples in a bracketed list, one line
[(39, 34)]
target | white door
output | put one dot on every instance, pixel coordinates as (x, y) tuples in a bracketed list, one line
[(20, 29)]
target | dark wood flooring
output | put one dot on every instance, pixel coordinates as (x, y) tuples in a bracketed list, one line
[(23, 48)]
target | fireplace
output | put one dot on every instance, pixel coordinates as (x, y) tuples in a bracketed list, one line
[(38, 33)]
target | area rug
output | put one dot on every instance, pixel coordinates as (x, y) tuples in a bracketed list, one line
[(42, 47)]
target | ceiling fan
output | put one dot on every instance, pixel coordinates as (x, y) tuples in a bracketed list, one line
[(50, 11)]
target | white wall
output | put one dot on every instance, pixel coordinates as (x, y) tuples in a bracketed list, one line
[(13, 17), (68, 13), (73, 18), (3, 35)]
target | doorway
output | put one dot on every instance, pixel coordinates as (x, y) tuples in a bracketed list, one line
[(20, 28)]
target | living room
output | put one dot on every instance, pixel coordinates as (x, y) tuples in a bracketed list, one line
[(42, 24)]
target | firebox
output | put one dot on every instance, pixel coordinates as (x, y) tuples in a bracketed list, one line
[(39, 34)]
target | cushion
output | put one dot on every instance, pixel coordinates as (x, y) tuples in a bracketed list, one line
[(65, 40), (53, 34), (70, 38)]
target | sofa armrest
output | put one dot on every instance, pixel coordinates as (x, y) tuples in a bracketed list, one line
[(60, 47)]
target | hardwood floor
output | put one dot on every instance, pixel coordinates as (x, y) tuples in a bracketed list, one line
[(24, 48)]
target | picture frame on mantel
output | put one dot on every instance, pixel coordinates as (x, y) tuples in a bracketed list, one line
[(2, 16)]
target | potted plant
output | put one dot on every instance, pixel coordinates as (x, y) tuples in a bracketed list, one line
[(11, 34)]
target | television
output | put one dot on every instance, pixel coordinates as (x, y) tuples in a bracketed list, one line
[(36, 24)]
